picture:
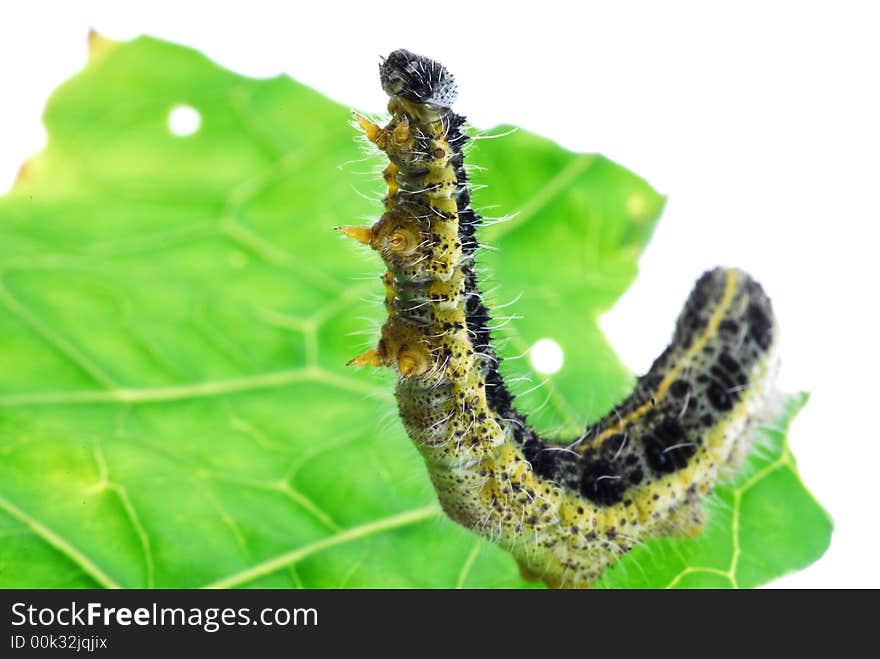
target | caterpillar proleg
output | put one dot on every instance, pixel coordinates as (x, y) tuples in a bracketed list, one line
[(641, 471)]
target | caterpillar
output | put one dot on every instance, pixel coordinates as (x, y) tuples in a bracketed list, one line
[(641, 471)]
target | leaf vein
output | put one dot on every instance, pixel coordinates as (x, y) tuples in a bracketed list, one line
[(58, 543), (356, 533)]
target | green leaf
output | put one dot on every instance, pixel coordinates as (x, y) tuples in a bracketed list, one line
[(176, 313)]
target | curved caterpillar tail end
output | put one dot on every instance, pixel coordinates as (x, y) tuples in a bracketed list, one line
[(640, 472)]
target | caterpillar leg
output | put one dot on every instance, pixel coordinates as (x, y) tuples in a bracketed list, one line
[(526, 572), (687, 519), (369, 358)]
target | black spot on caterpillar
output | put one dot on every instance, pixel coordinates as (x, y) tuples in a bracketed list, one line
[(640, 472)]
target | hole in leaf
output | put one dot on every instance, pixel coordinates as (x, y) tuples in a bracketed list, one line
[(546, 356), (184, 120)]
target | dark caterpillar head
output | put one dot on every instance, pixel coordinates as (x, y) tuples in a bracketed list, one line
[(416, 78)]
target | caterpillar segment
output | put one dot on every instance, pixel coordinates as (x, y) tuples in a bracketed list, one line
[(565, 511)]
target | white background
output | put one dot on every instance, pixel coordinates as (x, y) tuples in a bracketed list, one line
[(761, 121)]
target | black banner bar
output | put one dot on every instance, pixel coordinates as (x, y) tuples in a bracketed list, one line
[(284, 622)]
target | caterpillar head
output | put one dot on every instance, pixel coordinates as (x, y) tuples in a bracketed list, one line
[(417, 79)]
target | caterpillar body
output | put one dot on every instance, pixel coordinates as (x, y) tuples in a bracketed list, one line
[(640, 472)]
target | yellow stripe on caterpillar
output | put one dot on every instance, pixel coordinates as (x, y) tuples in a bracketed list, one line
[(675, 372)]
